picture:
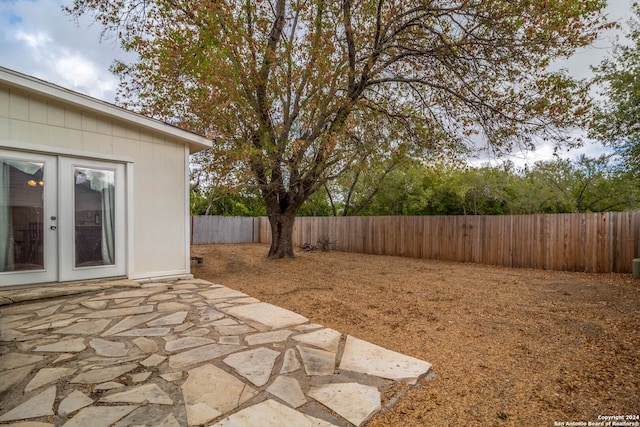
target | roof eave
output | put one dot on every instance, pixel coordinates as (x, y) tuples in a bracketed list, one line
[(193, 141)]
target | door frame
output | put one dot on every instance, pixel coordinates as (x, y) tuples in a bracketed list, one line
[(67, 270), (63, 232)]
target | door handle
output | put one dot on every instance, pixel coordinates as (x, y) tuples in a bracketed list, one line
[(53, 227)]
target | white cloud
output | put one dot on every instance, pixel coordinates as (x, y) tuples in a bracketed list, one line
[(65, 66), (544, 152), (37, 38), (579, 65), (80, 74), (35, 41)]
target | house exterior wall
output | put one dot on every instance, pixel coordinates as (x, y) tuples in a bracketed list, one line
[(157, 171)]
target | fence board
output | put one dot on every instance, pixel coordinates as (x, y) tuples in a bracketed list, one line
[(221, 229), (600, 242)]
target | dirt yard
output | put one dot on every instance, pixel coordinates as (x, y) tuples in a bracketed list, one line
[(509, 347)]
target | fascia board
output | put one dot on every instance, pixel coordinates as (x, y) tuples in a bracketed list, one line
[(31, 84)]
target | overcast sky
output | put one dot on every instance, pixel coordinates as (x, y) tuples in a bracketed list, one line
[(37, 38)]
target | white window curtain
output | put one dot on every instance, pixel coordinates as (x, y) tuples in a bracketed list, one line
[(104, 183)]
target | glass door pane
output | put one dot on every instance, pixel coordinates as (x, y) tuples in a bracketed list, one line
[(92, 219), (21, 215), (94, 207), (28, 218)]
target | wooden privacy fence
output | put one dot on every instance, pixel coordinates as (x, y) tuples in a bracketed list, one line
[(600, 242), (223, 229)]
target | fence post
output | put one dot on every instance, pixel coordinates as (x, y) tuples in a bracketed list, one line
[(636, 268)]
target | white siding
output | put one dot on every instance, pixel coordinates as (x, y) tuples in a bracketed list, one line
[(160, 180)]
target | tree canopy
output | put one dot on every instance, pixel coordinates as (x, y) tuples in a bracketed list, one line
[(296, 92), (586, 184), (556, 186), (617, 120)]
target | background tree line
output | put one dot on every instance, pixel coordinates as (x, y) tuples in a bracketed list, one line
[(412, 188)]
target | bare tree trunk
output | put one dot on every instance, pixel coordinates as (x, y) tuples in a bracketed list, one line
[(333, 205), (281, 235)]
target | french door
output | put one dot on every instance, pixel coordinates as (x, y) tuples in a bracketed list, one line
[(28, 218), (61, 219)]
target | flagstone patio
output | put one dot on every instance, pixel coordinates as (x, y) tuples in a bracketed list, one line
[(187, 353)]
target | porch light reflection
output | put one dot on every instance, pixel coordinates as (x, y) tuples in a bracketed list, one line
[(33, 183)]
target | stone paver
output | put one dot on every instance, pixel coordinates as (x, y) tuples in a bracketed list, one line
[(185, 353), (290, 363), (11, 377), (266, 314), (108, 348), (15, 360), (327, 339), (209, 392), (38, 406), (289, 390), (70, 345), (76, 400), (99, 416), (255, 365), (46, 376), (356, 402), (317, 362), (150, 393), (271, 414), (367, 358), (100, 375)]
